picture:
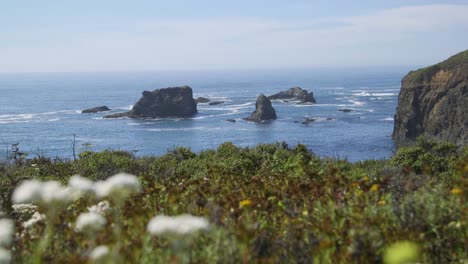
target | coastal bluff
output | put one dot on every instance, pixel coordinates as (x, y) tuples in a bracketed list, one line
[(164, 102), (433, 102)]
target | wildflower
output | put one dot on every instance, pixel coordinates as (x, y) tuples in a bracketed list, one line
[(305, 213), (35, 218), (24, 208), (82, 185), (89, 222), (43, 193), (101, 208), (6, 232), (456, 191), (53, 193), (245, 203), (375, 187), (118, 186), (28, 192), (182, 224), (401, 252), (5, 256), (99, 254), (382, 202)]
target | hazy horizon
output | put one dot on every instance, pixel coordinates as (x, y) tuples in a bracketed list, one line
[(119, 36)]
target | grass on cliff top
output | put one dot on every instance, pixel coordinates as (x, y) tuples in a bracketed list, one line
[(425, 74), (266, 204)]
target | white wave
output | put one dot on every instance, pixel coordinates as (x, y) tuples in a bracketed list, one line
[(384, 94), (357, 103), (53, 119), (363, 93), (387, 119), (127, 107)]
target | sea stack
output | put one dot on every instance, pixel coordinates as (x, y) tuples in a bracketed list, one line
[(264, 111), (433, 102), (295, 93), (165, 102)]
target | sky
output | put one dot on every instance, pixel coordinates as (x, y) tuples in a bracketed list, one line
[(145, 35)]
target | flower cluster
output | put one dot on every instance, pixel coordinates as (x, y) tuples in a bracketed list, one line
[(90, 222), (181, 225), (101, 208), (6, 236), (50, 193)]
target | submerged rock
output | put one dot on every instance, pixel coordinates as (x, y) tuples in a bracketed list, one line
[(165, 102), (202, 100), (96, 109), (346, 110), (295, 93), (231, 120), (216, 103), (433, 102), (263, 110)]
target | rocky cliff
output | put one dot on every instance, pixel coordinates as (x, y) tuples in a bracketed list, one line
[(165, 102), (263, 110), (433, 102)]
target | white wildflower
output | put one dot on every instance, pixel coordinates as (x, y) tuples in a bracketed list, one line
[(24, 208), (182, 224), (119, 186), (101, 208), (55, 193), (99, 254), (28, 192), (82, 185), (89, 222), (6, 232), (35, 219), (50, 193), (5, 256)]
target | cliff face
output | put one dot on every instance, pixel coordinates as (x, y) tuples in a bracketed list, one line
[(433, 102)]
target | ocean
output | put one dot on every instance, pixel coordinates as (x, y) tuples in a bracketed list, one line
[(42, 111)]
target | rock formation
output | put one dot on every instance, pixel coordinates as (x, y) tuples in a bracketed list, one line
[(165, 102), (433, 102), (96, 109), (202, 100), (216, 103), (263, 110), (295, 93)]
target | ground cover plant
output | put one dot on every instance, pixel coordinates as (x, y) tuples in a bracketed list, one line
[(265, 204)]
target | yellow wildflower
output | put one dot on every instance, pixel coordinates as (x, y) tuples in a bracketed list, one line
[(305, 213), (375, 187), (366, 178), (245, 203), (382, 202), (456, 191)]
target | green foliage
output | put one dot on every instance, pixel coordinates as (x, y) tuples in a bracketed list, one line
[(428, 157), (269, 204)]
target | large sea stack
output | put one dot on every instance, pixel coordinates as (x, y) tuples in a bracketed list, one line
[(264, 111), (165, 102), (433, 102), (295, 93)]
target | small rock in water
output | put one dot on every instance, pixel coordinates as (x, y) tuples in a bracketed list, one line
[(216, 103), (96, 109), (346, 110), (231, 120), (202, 100)]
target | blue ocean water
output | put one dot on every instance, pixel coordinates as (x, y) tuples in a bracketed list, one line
[(42, 111)]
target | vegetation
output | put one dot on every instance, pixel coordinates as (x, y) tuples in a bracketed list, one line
[(266, 204)]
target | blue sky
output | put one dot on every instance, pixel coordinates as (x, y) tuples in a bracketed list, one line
[(137, 35)]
